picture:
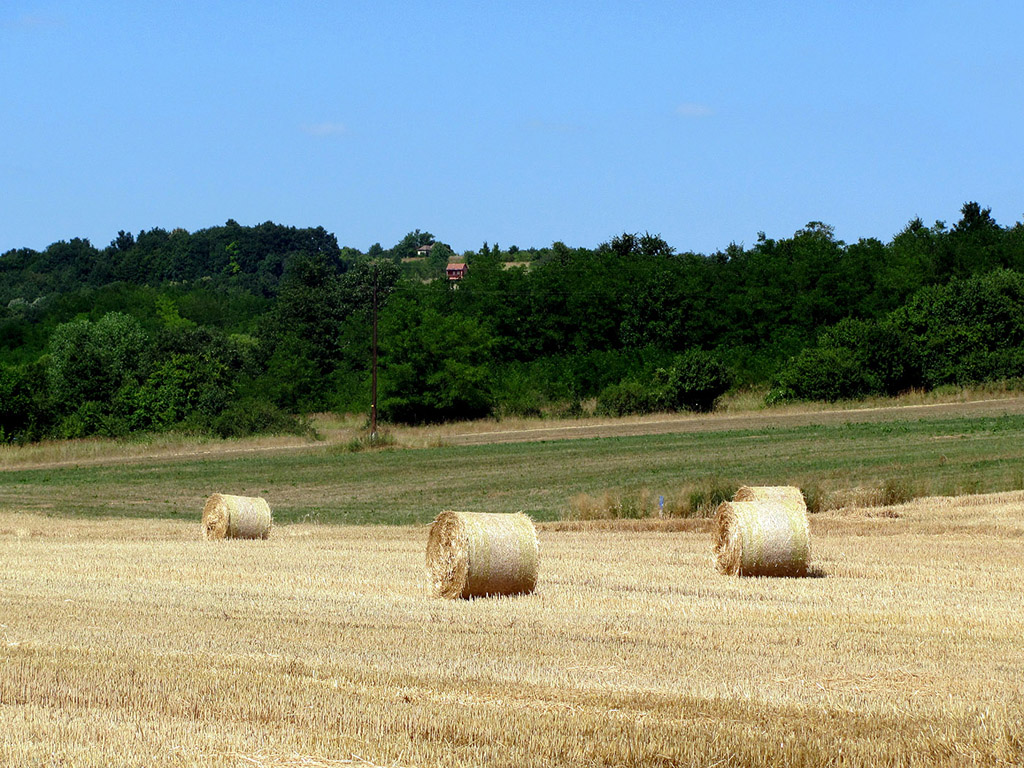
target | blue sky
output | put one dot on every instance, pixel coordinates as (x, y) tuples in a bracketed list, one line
[(511, 122)]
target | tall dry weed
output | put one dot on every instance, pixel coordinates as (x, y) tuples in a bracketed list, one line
[(692, 500), (613, 505)]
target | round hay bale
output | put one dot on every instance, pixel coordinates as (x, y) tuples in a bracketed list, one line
[(784, 494), (761, 538), (473, 554), (236, 517)]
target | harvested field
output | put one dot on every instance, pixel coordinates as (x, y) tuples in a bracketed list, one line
[(136, 642)]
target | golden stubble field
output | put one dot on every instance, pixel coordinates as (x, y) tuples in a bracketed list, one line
[(137, 643)]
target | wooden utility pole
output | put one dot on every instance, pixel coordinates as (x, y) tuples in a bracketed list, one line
[(373, 367)]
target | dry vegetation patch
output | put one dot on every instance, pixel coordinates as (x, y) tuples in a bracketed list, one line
[(139, 643)]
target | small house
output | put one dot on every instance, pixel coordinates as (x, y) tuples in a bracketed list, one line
[(457, 270)]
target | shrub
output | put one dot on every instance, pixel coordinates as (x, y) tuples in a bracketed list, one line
[(699, 498), (889, 364), (516, 395), (821, 374), (364, 442), (694, 381), (257, 416), (91, 418), (627, 398), (705, 500)]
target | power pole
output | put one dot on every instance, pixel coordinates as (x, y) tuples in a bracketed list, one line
[(373, 367)]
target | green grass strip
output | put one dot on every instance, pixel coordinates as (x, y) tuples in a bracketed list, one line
[(939, 456)]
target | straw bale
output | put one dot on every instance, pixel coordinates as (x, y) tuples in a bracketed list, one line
[(761, 538), (784, 494), (236, 517), (473, 554)]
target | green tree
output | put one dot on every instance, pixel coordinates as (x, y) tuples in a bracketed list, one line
[(434, 367), (440, 255), (19, 403), (975, 243), (368, 278), (310, 306), (406, 247), (91, 361), (192, 378), (967, 331)]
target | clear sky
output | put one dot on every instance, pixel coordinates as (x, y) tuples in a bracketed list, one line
[(519, 123)]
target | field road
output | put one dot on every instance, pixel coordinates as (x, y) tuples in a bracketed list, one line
[(77, 453), (742, 421)]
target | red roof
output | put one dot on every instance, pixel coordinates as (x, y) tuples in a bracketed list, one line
[(456, 271)]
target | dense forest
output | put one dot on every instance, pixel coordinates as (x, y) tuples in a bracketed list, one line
[(234, 330)]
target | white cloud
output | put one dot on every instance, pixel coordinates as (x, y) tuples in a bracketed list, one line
[(692, 110), (325, 129)]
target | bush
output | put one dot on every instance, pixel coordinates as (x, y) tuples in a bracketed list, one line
[(364, 442), (257, 416), (516, 395), (704, 500), (887, 360), (91, 418), (627, 398), (613, 505), (820, 374), (694, 381)]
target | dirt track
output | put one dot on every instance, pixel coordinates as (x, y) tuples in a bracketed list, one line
[(489, 433), (753, 420)]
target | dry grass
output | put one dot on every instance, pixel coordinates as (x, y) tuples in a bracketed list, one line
[(753, 398), (741, 411), (138, 643), (696, 499), (100, 450), (613, 505)]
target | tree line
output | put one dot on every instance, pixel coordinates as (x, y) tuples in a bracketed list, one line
[(236, 329)]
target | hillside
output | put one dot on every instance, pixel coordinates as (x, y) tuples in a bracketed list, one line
[(233, 330)]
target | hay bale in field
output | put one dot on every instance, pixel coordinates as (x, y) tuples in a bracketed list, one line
[(472, 554), (783, 494), (236, 517), (761, 538)]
